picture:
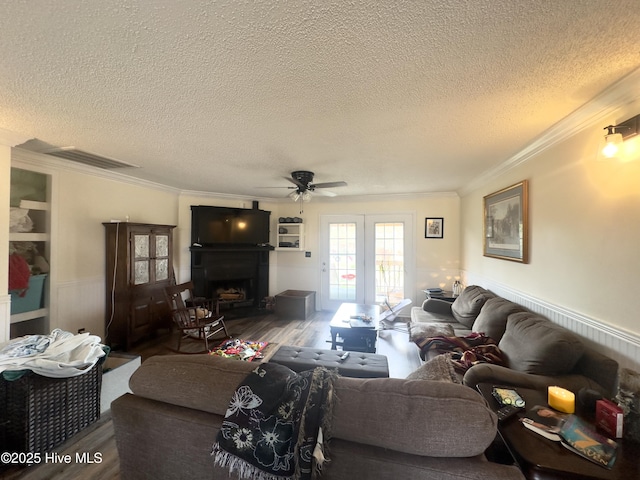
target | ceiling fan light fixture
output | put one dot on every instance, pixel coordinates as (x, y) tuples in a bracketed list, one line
[(295, 195), (306, 196)]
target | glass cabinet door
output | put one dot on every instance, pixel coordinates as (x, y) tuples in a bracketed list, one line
[(141, 259), (162, 257)]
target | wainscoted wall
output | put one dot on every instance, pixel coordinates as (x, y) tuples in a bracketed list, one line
[(623, 347), (80, 305)]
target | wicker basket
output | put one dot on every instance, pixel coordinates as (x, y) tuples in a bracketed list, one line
[(40, 413)]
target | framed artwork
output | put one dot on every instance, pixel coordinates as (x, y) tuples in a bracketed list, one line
[(506, 223), (434, 227)]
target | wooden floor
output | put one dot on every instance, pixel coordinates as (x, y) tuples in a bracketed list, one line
[(98, 443)]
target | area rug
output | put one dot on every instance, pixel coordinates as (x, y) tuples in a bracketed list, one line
[(237, 349)]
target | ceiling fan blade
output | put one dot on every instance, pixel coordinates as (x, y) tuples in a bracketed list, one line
[(295, 182), (329, 184), (325, 193)]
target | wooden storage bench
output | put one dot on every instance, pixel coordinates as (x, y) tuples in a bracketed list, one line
[(295, 304)]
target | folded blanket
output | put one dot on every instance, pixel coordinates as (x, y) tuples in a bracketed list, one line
[(466, 351), (273, 427)]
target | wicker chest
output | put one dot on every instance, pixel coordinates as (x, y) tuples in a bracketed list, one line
[(39, 413)]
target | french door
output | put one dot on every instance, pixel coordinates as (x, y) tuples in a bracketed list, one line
[(366, 259)]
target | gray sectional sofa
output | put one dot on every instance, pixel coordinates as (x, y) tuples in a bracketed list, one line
[(382, 428), (537, 352)]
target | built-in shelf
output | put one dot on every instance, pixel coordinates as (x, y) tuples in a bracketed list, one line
[(24, 316), (33, 205), (28, 237), (290, 237), (30, 191)]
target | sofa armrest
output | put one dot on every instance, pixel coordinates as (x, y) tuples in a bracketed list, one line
[(499, 375), (435, 305)]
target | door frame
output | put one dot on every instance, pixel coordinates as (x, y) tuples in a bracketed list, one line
[(365, 290)]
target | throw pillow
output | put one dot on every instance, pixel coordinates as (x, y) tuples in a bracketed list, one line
[(492, 320), (534, 344), (418, 331), (467, 306), (438, 369)]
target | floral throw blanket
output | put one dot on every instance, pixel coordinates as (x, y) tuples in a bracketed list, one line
[(274, 424)]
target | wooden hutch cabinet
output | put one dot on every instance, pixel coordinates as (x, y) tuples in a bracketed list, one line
[(139, 265)]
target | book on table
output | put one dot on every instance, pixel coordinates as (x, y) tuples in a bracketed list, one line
[(573, 433)]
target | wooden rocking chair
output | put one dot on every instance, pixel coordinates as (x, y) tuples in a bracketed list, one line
[(195, 317)]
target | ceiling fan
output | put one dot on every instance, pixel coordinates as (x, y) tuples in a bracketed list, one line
[(302, 179)]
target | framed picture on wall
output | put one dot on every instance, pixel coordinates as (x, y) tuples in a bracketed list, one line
[(434, 227), (506, 224)]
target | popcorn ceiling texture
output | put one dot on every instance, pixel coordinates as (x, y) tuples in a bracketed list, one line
[(246, 92)]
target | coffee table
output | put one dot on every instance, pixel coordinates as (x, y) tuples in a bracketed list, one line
[(356, 335), (539, 458)]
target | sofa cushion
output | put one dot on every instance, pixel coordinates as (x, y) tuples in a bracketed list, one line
[(534, 344), (418, 331), (492, 320), (435, 419), (201, 382), (439, 369), (467, 306)]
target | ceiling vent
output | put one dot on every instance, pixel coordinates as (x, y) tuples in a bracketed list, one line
[(87, 158)]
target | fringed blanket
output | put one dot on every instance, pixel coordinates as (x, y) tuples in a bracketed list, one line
[(274, 424), (466, 351)]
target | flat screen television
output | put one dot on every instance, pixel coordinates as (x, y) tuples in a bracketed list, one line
[(212, 226)]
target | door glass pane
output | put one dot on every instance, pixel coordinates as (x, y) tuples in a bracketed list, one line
[(141, 246), (141, 272), (342, 261), (162, 269), (162, 246), (389, 261)]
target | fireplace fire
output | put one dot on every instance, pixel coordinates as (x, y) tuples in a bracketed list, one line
[(229, 294)]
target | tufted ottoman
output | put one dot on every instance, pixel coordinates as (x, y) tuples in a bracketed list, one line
[(357, 364)]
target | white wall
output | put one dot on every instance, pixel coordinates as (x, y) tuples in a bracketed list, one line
[(82, 201), (584, 237), (437, 260), (5, 298)]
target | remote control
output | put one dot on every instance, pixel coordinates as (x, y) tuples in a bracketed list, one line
[(344, 356), (506, 412)]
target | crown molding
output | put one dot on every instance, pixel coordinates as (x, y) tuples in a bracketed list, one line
[(604, 105), (49, 164), (321, 199)]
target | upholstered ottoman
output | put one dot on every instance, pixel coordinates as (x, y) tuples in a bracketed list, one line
[(357, 364)]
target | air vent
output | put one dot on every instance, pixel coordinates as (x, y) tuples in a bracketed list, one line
[(86, 158)]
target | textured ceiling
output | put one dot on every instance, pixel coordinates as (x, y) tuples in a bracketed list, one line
[(228, 96)]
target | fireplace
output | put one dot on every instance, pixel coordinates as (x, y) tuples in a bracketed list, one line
[(237, 276)]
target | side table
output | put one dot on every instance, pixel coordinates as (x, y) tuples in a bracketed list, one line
[(539, 458)]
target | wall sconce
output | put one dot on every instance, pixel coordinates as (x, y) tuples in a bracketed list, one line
[(611, 146)]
